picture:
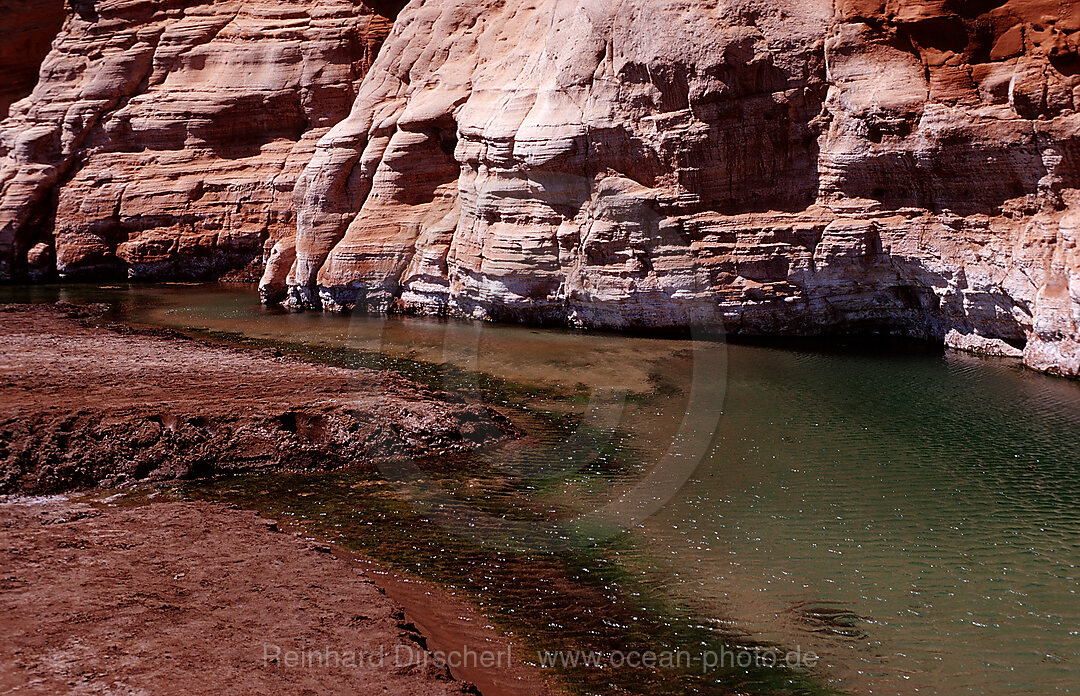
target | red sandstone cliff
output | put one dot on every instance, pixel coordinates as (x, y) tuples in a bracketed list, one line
[(786, 167), (791, 168), (164, 138)]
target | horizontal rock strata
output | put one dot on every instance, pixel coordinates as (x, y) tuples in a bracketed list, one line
[(781, 168), (163, 139), (801, 167)]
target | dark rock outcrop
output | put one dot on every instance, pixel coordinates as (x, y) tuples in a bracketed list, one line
[(29, 29)]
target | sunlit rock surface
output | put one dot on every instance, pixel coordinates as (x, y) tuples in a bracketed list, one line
[(798, 167), (783, 168), (163, 139)]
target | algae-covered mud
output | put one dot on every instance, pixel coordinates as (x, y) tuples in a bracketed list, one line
[(906, 516)]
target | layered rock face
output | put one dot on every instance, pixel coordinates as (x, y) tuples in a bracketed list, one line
[(783, 168), (29, 28), (164, 139), (779, 168)]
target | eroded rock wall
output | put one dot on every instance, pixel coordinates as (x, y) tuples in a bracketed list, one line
[(784, 168), (794, 168), (164, 138), (29, 27)]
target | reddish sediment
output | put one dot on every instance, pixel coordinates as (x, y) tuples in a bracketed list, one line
[(83, 405), (194, 597)]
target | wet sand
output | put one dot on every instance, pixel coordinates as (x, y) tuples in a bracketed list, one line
[(83, 405), (193, 597), (179, 597)]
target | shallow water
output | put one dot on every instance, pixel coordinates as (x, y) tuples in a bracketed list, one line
[(911, 516)]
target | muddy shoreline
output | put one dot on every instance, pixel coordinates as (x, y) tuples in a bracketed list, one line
[(174, 596), (83, 405)]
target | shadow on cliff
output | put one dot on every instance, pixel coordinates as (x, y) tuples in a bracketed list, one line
[(86, 10), (974, 165), (29, 29), (758, 150), (387, 8), (959, 175)]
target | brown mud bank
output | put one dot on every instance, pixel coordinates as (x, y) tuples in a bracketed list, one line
[(161, 596), (194, 597), (83, 405)]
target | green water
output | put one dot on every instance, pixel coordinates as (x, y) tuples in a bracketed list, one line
[(910, 516)]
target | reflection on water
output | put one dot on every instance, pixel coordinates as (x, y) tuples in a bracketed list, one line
[(912, 517), (938, 497)]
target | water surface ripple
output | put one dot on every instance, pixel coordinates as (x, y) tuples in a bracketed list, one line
[(911, 516)]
